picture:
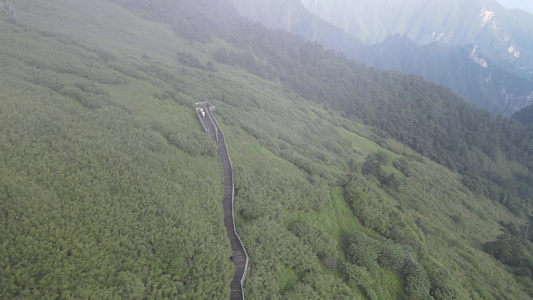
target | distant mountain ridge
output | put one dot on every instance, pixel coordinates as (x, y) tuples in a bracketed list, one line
[(491, 78), (484, 80), (481, 22)]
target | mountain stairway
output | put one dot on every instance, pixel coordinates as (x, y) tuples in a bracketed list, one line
[(240, 257)]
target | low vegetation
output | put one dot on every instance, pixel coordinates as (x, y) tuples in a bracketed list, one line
[(350, 183)]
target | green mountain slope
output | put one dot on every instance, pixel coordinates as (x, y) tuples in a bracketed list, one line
[(108, 188), (350, 183)]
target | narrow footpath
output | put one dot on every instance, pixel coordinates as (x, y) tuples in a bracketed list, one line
[(240, 257)]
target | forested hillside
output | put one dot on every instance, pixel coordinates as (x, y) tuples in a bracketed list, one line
[(350, 183), (482, 77)]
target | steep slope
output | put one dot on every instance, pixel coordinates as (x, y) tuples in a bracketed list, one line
[(525, 115), (483, 23), (108, 189), (350, 183), (481, 77), (293, 17)]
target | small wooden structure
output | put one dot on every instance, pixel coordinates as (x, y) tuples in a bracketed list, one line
[(205, 105), (203, 111)]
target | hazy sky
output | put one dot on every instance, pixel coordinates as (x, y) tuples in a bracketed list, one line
[(526, 5)]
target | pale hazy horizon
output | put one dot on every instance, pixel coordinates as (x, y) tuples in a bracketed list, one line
[(526, 5)]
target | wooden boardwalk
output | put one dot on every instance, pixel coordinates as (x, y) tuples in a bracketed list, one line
[(240, 257)]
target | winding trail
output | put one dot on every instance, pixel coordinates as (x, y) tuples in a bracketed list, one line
[(240, 257)]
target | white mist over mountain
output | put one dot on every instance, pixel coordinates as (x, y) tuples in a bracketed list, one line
[(526, 5), (448, 21)]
